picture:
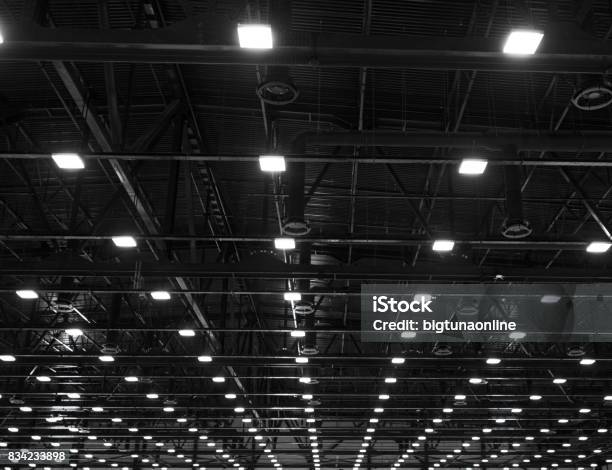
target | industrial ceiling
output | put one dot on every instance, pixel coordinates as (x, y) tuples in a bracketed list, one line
[(155, 312)]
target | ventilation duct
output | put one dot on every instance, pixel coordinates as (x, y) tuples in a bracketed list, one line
[(294, 223), (277, 87), (515, 226)]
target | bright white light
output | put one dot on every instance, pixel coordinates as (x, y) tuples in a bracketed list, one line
[(584, 410), (383, 396), (472, 166), (443, 245), (68, 161), (587, 362), (187, 332), (298, 333), (219, 379), (160, 295), (27, 294), (272, 163), (390, 380), (168, 409), (535, 397), (131, 378), (305, 380), (598, 247), (516, 410), (475, 380), (73, 395), (7, 358), (230, 396), (25, 409), (255, 36), (284, 243), (205, 358), (116, 420), (43, 378), (133, 429), (152, 396), (307, 396), (447, 410), (301, 360), (559, 381), (398, 360), (106, 358), (36, 438), (239, 409), (378, 410), (309, 410), (97, 409), (493, 361), (292, 296), (523, 42), (73, 332), (460, 397), (124, 241)]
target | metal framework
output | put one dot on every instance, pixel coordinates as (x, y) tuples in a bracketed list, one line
[(389, 98)]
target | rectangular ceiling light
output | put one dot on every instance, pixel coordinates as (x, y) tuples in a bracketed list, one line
[(292, 296), (27, 294), (598, 247), (284, 243), (124, 241), (472, 166), (255, 36), (523, 42), (272, 163), (160, 295), (68, 161), (443, 245)]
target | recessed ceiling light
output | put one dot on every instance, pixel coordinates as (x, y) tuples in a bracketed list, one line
[(472, 166), (73, 332), (255, 36), (131, 378), (43, 378), (284, 243), (204, 358), (7, 358), (160, 295), (272, 163), (27, 294), (106, 358), (292, 297), (301, 360), (523, 42), (124, 241), (443, 245), (598, 247), (587, 362), (398, 360), (68, 161)]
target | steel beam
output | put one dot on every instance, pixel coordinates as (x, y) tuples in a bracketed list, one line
[(191, 41)]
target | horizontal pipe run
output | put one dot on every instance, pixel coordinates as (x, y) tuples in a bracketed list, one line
[(342, 240), (346, 159)]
